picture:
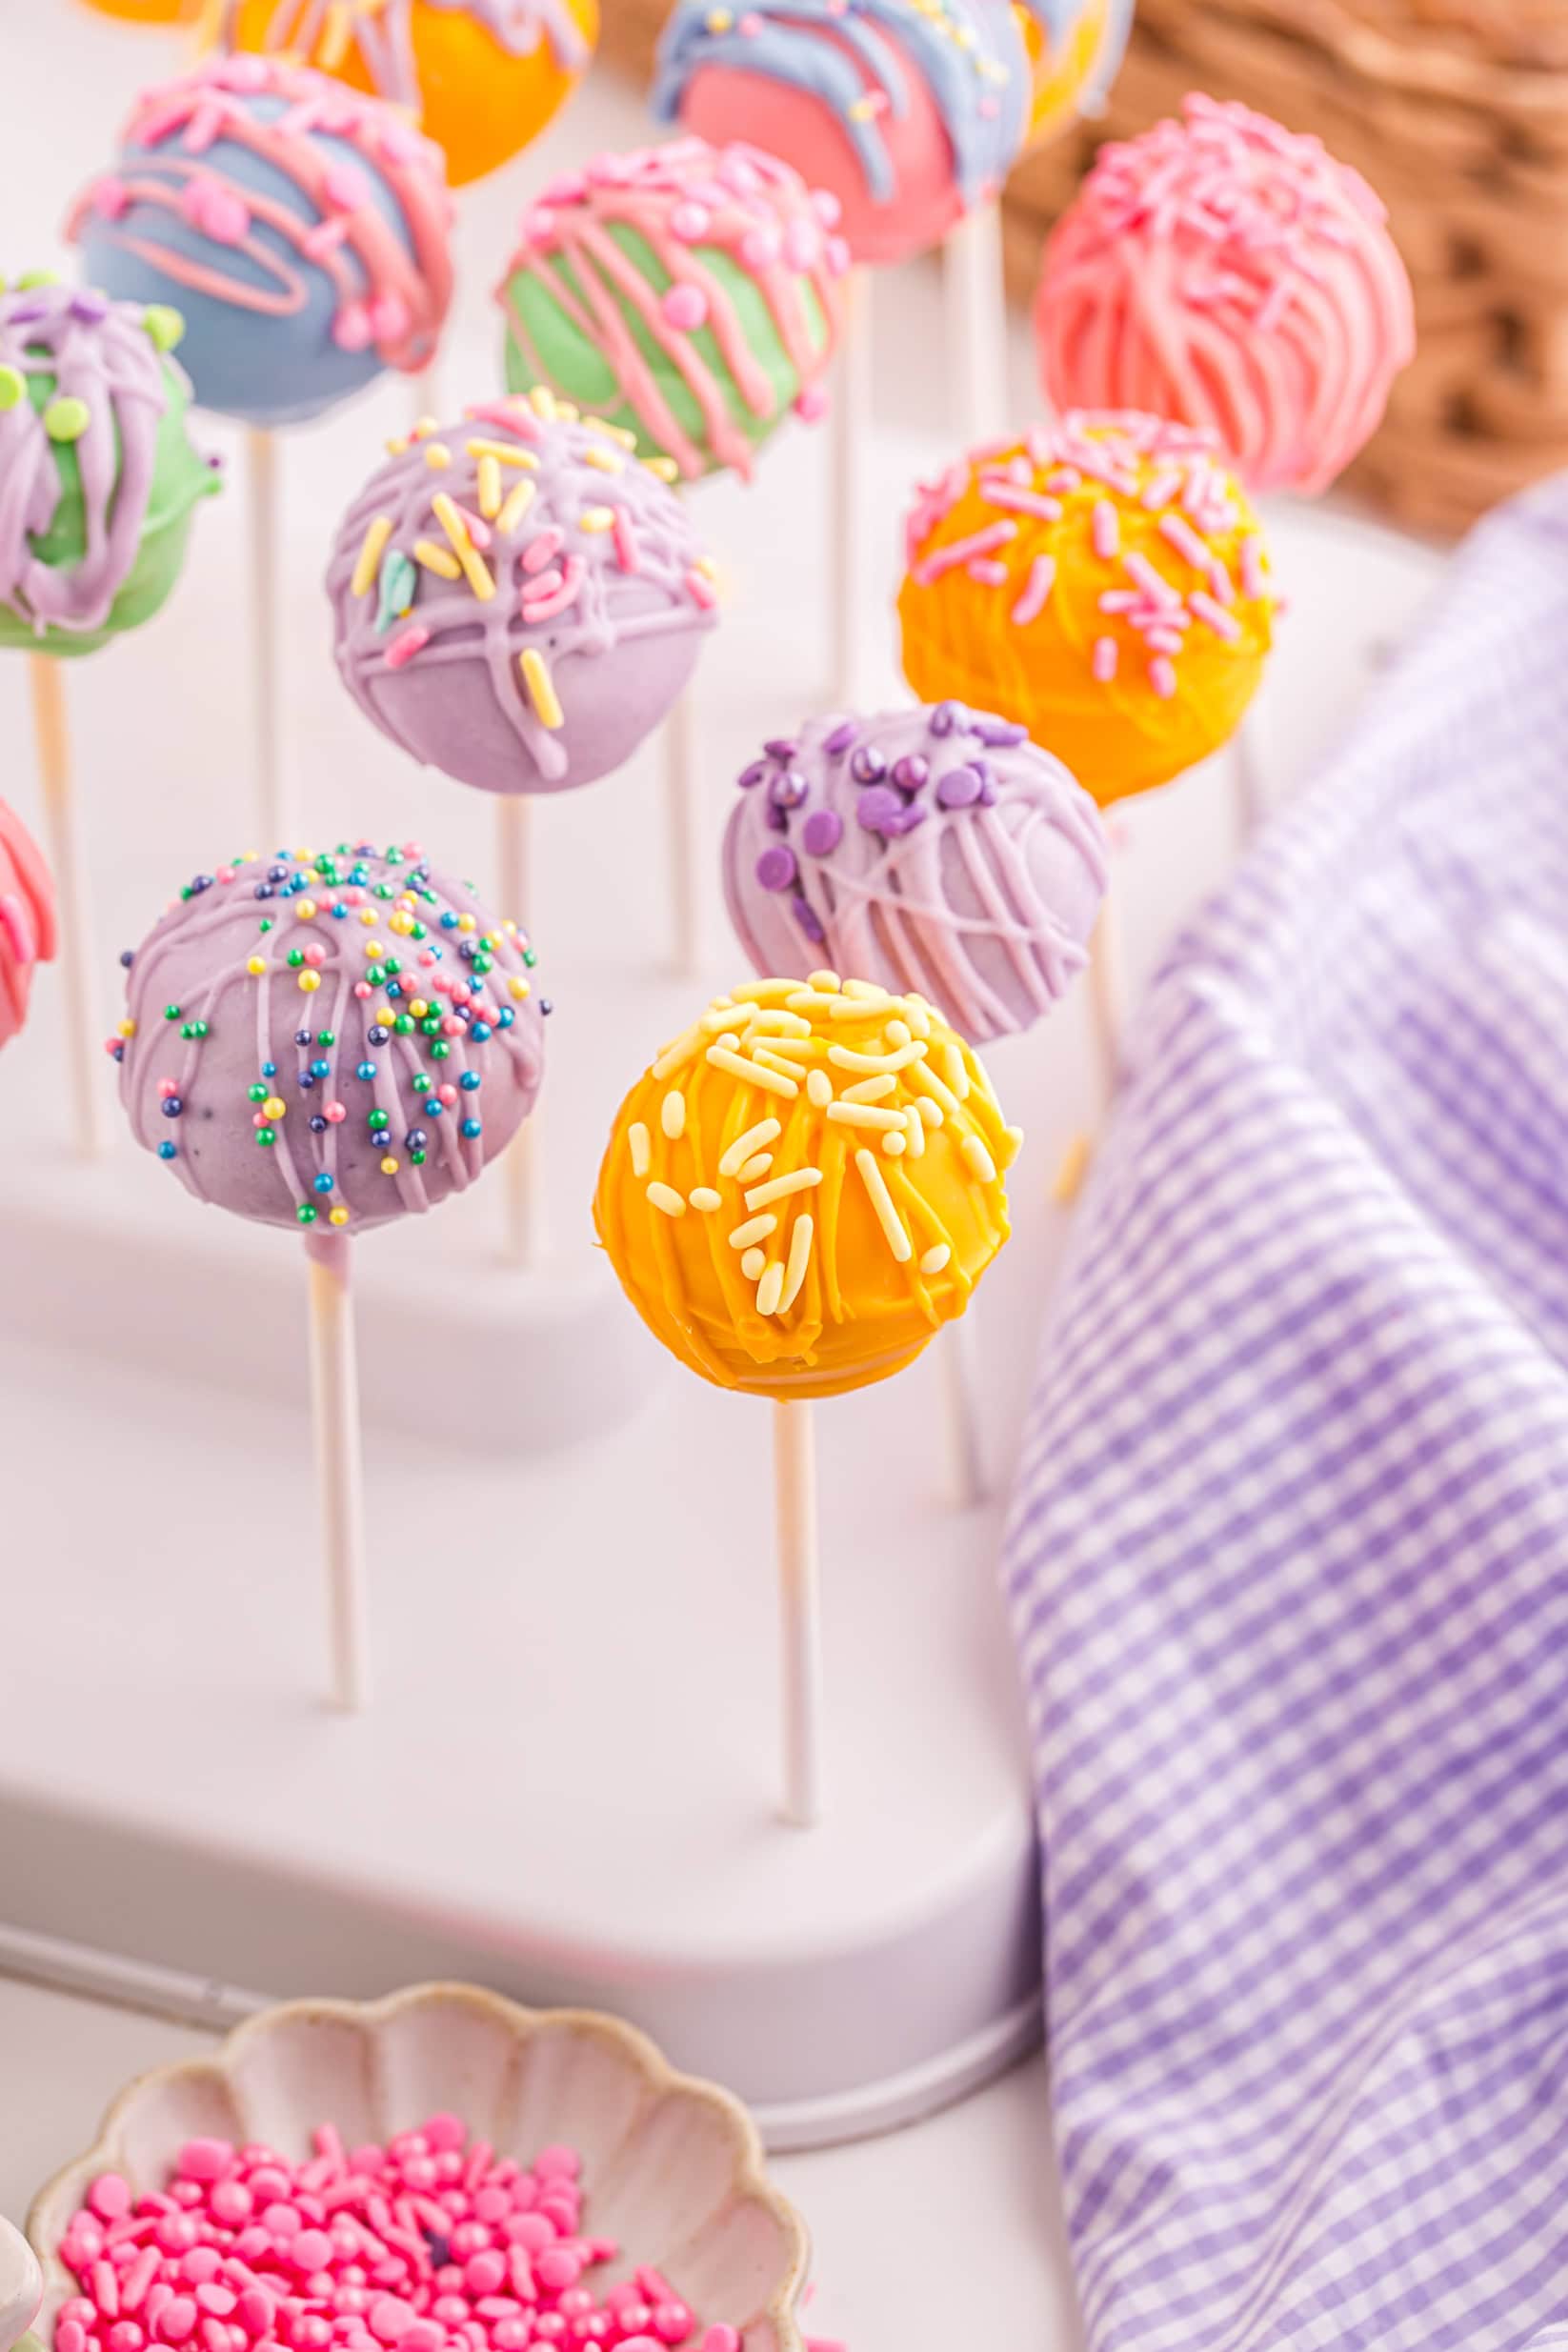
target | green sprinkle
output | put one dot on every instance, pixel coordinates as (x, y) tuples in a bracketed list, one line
[(171, 1012), (13, 387), (304, 1212), (257, 1094), (66, 420), (164, 327), (266, 1135)]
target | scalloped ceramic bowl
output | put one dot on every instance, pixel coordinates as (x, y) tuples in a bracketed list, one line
[(672, 2168)]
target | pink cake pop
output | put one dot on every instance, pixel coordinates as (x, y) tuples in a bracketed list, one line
[(26, 919), (1223, 271), (934, 852)]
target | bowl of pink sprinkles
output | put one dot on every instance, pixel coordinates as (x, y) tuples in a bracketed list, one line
[(441, 2171)]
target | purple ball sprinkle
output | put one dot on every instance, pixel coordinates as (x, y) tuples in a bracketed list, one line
[(912, 773), (947, 717), (839, 742), (824, 829), (868, 766), (959, 789), (788, 789), (750, 777), (877, 807), (806, 916), (780, 747), (777, 869)]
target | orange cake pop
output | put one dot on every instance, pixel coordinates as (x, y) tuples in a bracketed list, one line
[(1101, 580)]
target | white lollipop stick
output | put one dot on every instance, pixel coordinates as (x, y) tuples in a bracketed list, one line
[(966, 1460), (794, 1488), (62, 821), (1108, 990), (273, 814), (521, 1194), (21, 2286), (849, 427), (426, 391), (680, 811), (340, 1471), (975, 297), (1250, 778)]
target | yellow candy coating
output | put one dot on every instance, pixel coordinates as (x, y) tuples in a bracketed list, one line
[(1104, 582), (148, 12), (1057, 83), (833, 1265)]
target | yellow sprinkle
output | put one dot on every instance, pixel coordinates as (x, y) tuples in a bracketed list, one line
[(673, 1114), (898, 1032), (337, 1216), (771, 1289), (304, 912), (389, 1166), (915, 1128), (665, 1197), (800, 1251), (766, 1131), (274, 1107), (542, 401), (978, 1160), (751, 1265), (862, 110), (881, 1200), (718, 1017), (934, 1260), (780, 1188), (369, 562), (1012, 1144), (641, 1156), (755, 1229), (515, 509), (256, 966), (335, 38), (490, 489), (368, 918), (423, 427), (896, 1142), (863, 1114), (604, 460), (517, 988), (930, 1112), (845, 1057), (775, 1020), (770, 1081), (871, 1090), (756, 1169), (679, 1052), (602, 426), (819, 1087), (1069, 1174), (475, 567), (128, 1029), (398, 446), (504, 452), (953, 1067), (928, 1083), (437, 559), (467, 922), (762, 991), (870, 991), (665, 467), (310, 982), (418, 1008), (827, 982), (704, 1198), (437, 457), (919, 1018), (771, 1056), (541, 687), (596, 518)]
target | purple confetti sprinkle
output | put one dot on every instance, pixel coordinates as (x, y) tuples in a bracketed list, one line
[(999, 734), (750, 777), (779, 747), (878, 807), (824, 829), (912, 814), (804, 915), (89, 305), (775, 868), (961, 788), (839, 740)]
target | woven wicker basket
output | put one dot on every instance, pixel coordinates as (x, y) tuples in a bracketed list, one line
[(1457, 113)]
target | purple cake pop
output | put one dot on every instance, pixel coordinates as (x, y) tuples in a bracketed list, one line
[(937, 852), (341, 1039), (518, 599)]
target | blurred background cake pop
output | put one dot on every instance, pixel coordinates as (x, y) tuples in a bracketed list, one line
[(1073, 47), (301, 228), (147, 11), (936, 850), (908, 112), (1223, 271), (344, 1038), (98, 477), (1103, 581), (685, 292), (518, 598), (26, 919), (482, 77)]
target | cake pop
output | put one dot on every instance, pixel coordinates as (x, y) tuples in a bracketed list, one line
[(27, 920), (147, 11), (909, 111), (687, 292), (518, 598), (805, 1186), (346, 1038), (482, 77), (933, 850), (98, 479), (1074, 49), (303, 230), (1101, 580), (1223, 271)]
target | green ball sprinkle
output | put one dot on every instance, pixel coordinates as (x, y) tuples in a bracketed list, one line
[(296, 956), (439, 1052), (377, 1120), (304, 1212), (257, 1094), (13, 387), (164, 327), (171, 1012), (66, 420), (266, 1135), (404, 1025), (416, 1158)]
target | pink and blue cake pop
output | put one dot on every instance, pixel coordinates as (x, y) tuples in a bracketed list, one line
[(518, 598), (910, 112), (339, 1040), (935, 852), (301, 229)]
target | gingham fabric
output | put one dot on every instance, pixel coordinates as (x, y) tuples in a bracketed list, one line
[(1289, 1560)]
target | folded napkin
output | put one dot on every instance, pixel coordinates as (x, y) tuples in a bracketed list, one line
[(1289, 1559)]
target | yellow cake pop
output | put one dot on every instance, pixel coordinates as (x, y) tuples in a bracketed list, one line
[(482, 77), (1101, 580), (148, 12), (805, 1186)]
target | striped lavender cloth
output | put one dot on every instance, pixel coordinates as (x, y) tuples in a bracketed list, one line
[(1289, 1563)]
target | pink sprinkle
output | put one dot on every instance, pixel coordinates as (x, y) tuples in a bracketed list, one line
[(1179, 533), (352, 327), (1224, 624), (106, 2290), (542, 549), (1036, 590), (689, 223), (989, 573), (1162, 677), (1160, 488), (477, 529), (685, 307), (110, 197), (1105, 530), (963, 551), (1163, 640), (1104, 662), (509, 415), (1139, 569), (109, 2197), (811, 404), (405, 645), (1016, 501), (1253, 582), (700, 589)]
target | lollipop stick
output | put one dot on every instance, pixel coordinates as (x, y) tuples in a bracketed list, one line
[(262, 471), (966, 1462), (76, 932), (794, 1486), (340, 1471), (680, 810), (850, 427), (1250, 779), (1108, 990), (976, 295), (426, 391), (521, 1196)]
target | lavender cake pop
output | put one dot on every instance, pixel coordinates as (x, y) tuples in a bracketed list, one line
[(518, 598), (344, 1038), (932, 851)]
